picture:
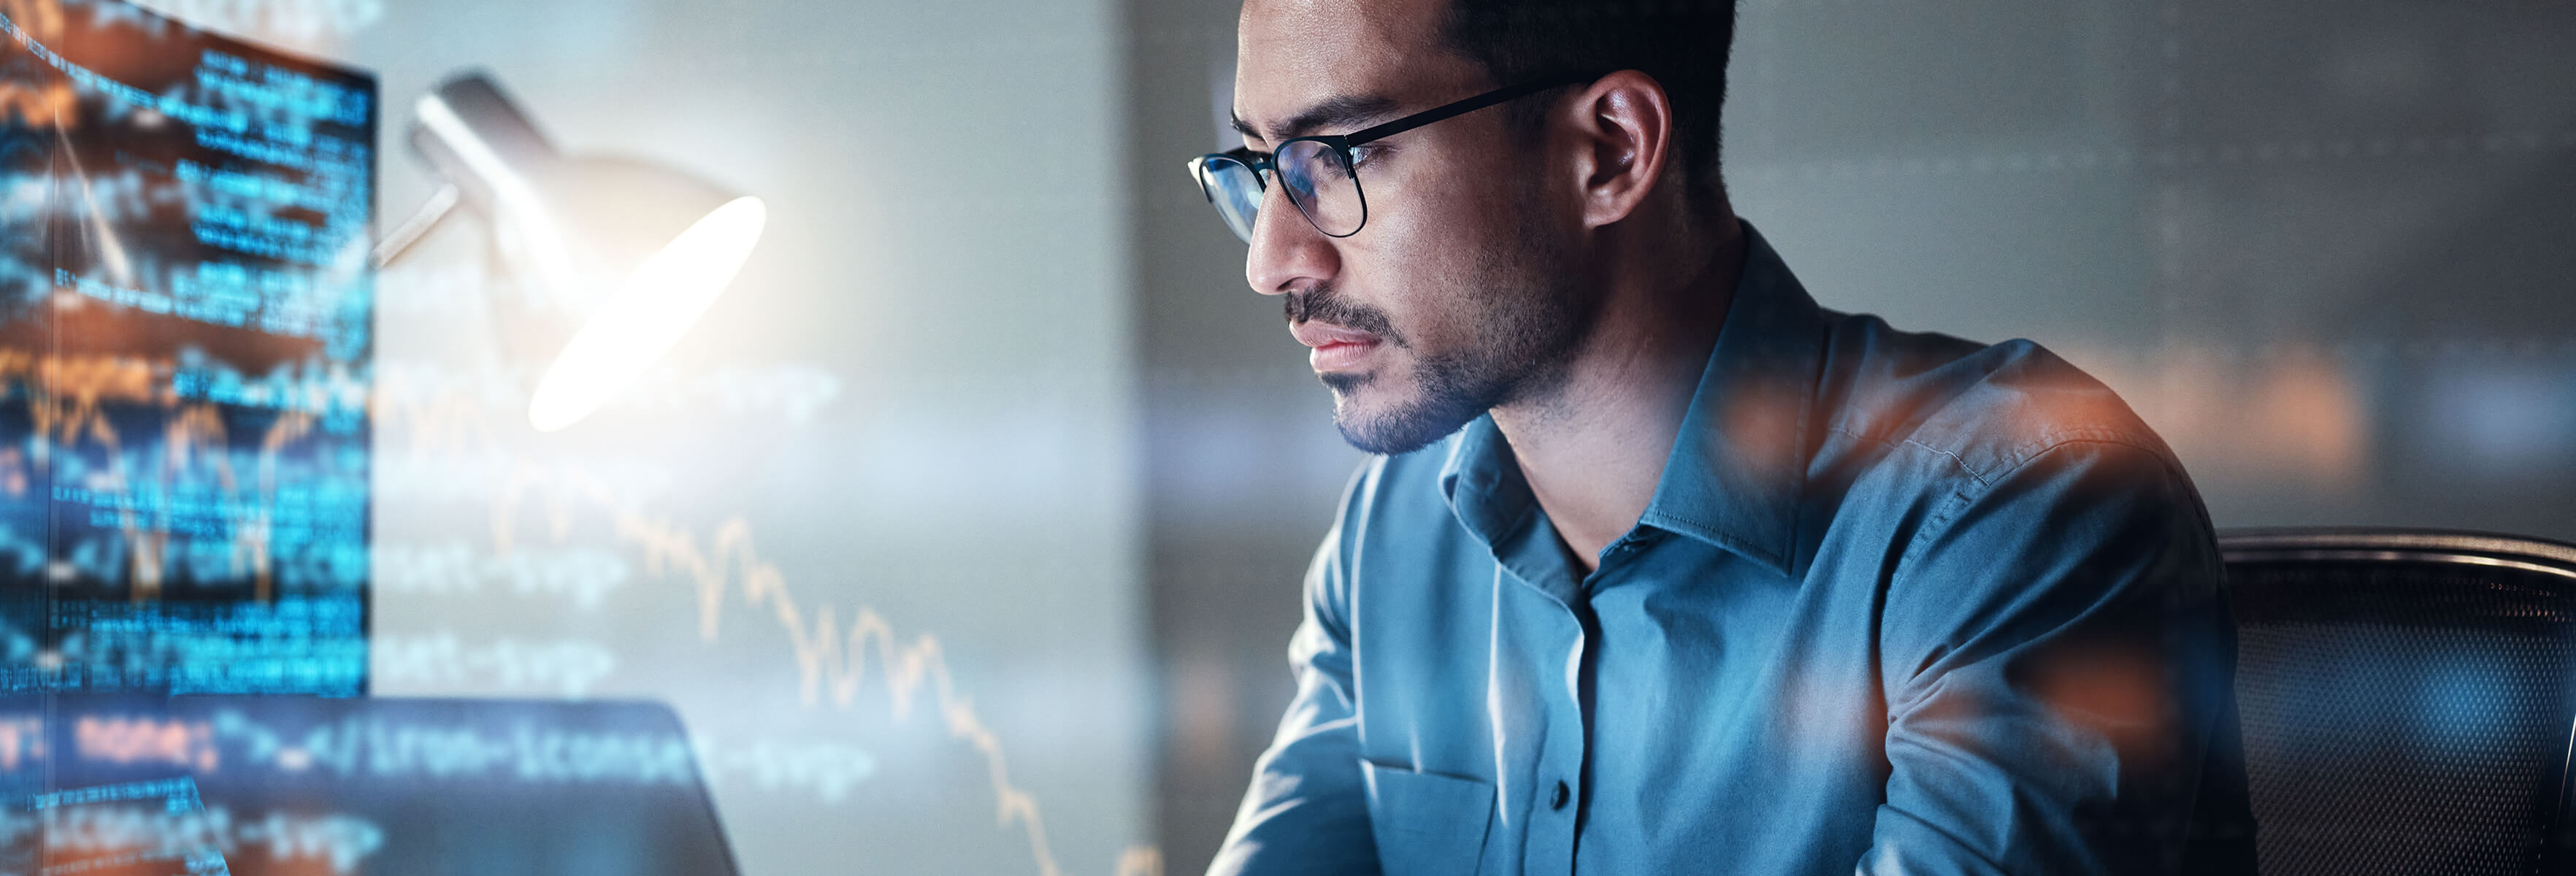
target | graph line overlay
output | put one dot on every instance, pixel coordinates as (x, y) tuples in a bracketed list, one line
[(726, 570)]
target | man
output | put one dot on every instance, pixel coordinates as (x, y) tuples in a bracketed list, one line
[(1663, 568)]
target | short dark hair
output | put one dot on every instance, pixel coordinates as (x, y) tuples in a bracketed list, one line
[(1683, 44)]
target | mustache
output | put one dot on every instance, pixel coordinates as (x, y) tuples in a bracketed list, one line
[(1320, 304)]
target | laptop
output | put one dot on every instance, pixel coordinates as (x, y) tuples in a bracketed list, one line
[(276, 785)]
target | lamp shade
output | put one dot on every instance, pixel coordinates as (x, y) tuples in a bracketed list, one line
[(633, 251)]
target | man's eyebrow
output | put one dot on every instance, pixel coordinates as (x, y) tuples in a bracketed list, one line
[(1336, 112)]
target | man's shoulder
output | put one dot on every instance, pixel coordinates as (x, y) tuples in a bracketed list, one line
[(1978, 410), (1931, 435)]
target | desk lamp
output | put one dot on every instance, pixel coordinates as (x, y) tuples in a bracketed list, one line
[(646, 248)]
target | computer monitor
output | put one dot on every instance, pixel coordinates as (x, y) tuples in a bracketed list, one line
[(186, 357)]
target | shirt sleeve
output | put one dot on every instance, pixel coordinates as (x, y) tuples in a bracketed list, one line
[(1307, 810), (2056, 657)]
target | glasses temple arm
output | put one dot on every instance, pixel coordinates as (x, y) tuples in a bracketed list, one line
[(1472, 104)]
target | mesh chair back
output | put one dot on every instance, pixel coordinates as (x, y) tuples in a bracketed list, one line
[(2407, 699)]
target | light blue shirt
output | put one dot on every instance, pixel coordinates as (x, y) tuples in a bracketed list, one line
[(1901, 603)]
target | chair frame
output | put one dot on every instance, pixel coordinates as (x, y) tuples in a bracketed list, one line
[(2552, 559)]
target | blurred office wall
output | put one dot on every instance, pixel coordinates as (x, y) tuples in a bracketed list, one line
[(872, 526), (2322, 247)]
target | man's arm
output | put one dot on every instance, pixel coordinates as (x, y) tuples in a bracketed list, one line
[(2056, 658), (1307, 811)]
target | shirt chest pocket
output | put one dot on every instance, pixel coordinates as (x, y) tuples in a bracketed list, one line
[(1427, 824)]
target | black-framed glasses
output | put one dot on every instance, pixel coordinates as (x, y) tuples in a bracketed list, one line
[(1319, 174)]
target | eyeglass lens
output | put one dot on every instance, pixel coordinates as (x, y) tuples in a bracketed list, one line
[(1235, 190), (1318, 182), (1322, 186)]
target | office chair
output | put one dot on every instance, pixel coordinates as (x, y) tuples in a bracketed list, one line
[(2407, 699)]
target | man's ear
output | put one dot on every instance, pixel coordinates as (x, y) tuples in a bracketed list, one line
[(1623, 129)]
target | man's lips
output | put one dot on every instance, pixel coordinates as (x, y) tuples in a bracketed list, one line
[(1336, 348)]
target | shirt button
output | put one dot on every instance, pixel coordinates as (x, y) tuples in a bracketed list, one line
[(1556, 799)]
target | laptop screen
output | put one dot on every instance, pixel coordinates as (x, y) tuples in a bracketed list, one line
[(299, 785)]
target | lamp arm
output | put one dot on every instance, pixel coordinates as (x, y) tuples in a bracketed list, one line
[(424, 220)]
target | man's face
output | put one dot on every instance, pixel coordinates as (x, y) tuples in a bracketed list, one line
[(1460, 293)]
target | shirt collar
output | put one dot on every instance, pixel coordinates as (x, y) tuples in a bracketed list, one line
[(1738, 469), (1483, 482)]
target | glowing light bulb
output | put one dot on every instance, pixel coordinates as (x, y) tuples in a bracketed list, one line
[(665, 294)]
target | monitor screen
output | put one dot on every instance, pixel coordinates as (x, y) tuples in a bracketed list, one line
[(185, 357)]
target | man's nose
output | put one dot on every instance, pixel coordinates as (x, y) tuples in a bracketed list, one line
[(1287, 252)]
